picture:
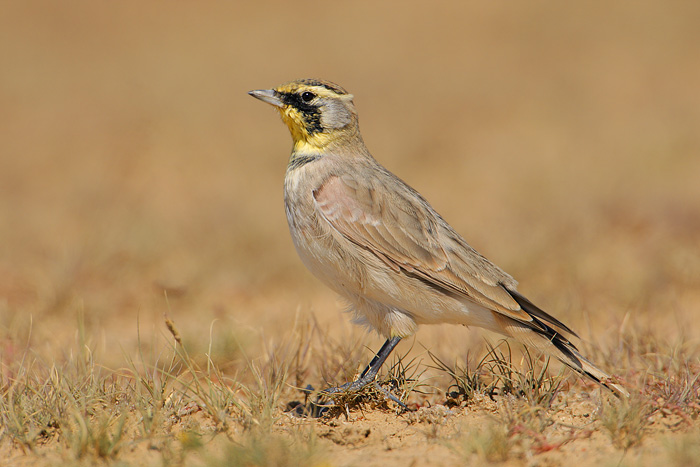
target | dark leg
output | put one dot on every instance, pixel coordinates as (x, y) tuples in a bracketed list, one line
[(370, 372), (366, 377)]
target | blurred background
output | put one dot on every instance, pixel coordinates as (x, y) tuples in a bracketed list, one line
[(561, 139)]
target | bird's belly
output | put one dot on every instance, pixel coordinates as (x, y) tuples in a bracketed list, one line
[(393, 303), (326, 259)]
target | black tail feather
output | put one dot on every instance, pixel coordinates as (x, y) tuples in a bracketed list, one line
[(553, 330), (535, 311)]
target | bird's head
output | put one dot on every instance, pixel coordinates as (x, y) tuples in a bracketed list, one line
[(318, 113)]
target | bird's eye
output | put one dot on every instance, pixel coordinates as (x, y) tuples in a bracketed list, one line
[(307, 96)]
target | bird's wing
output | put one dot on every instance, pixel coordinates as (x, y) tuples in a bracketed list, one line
[(400, 228)]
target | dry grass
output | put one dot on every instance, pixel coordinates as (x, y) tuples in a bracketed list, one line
[(177, 410), (138, 179)]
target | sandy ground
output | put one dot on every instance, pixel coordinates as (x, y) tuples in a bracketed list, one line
[(561, 140)]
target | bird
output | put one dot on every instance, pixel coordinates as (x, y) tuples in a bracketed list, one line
[(381, 246)]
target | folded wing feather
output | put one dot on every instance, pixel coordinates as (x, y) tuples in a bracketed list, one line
[(400, 228)]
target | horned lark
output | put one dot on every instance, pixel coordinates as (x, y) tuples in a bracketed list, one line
[(378, 243)]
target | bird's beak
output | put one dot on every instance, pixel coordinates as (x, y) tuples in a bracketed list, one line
[(267, 95)]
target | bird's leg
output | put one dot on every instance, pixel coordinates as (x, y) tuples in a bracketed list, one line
[(366, 377), (369, 373)]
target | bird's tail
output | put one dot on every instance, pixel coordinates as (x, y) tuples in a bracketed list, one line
[(584, 366), (547, 334)]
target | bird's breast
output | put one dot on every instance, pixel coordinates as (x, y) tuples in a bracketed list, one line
[(322, 250)]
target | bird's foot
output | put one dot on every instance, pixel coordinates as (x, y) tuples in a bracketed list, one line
[(321, 405)]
